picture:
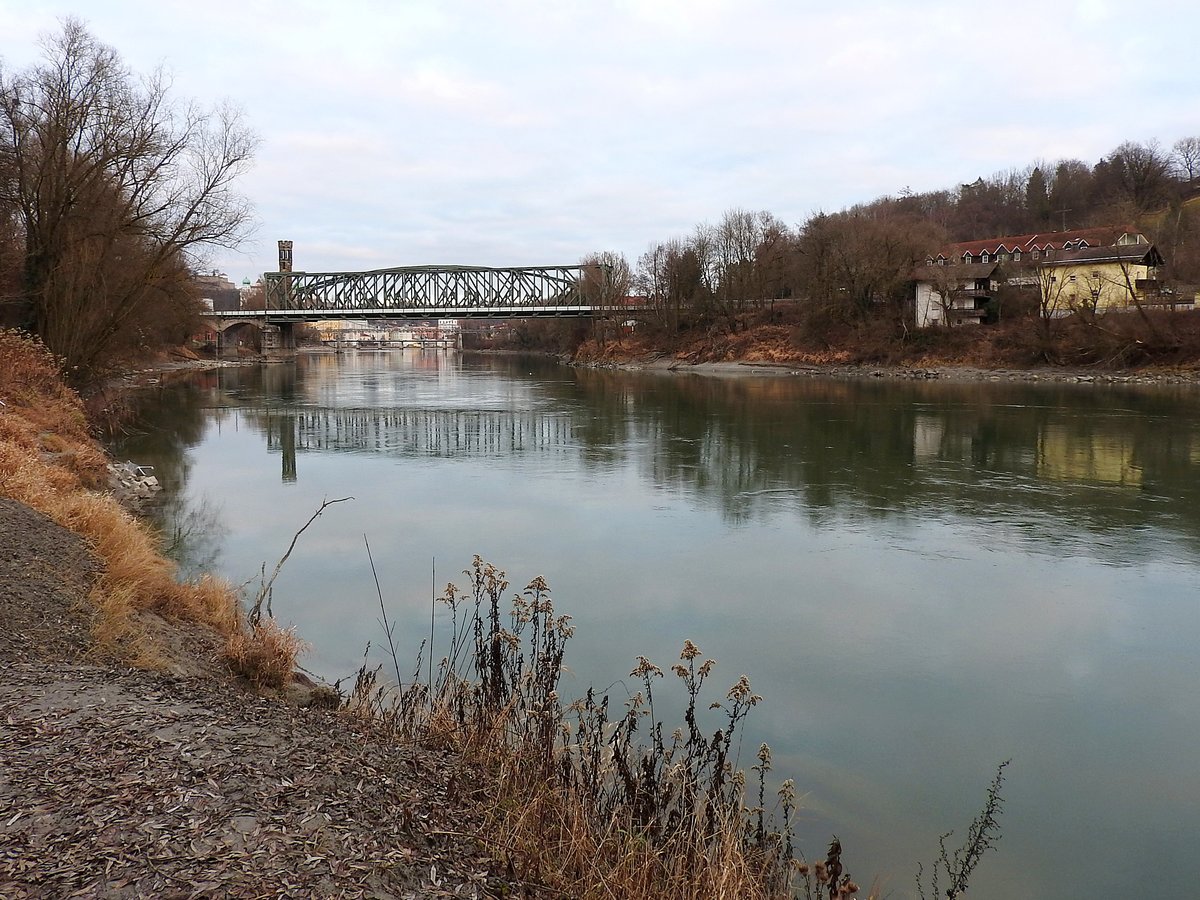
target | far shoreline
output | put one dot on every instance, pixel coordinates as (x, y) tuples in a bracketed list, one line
[(947, 373)]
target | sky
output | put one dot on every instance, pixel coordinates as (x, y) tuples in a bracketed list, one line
[(514, 132)]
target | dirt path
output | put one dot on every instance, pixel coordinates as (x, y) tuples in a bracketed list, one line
[(123, 783)]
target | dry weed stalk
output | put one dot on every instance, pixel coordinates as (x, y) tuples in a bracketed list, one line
[(591, 798)]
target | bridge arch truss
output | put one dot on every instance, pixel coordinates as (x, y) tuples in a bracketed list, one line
[(439, 291)]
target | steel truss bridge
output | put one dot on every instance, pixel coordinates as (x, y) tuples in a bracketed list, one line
[(424, 292)]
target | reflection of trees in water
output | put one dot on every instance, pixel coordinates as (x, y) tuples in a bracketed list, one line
[(192, 534), (1105, 458), (1102, 459), (166, 422)]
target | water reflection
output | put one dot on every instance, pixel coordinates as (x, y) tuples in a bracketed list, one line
[(922, 578), (1091, 458)]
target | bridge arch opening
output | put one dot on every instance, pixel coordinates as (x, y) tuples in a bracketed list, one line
[(241, 337)]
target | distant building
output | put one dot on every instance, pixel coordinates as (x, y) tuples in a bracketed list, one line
[(955, 295), (218, 292)]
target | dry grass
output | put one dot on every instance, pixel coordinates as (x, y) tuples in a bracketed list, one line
[(50, 462), (265, 654), (788, 335)]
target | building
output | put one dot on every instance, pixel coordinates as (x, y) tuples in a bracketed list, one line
[(1098, 269), (217, 292), (1031, 248), (1100, 279), (955, 294)]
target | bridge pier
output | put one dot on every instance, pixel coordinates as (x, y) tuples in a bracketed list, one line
[(279, 340)]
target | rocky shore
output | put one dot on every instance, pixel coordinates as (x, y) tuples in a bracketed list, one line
[(947, 373)]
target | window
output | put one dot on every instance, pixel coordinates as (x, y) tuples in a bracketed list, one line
[(1017, 255), (1072, 278), (983, 257), (1049, 252), (967, 258), (941, 260), (1036, 254)]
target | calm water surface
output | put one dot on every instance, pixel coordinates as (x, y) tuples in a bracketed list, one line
[(921, 579)]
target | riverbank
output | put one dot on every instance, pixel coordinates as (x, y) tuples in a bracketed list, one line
[(946, 373), (1157, 348), (165, 775), (135, 760), (122, 782)]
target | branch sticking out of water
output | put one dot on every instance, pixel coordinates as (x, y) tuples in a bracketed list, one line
[(264, 590)]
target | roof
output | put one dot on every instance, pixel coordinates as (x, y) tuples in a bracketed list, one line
[(1102, 236), (1145, 254), (956, 273)]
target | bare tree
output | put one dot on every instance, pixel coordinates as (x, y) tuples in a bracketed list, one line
[(116, 190), (1185, 159), (607, 278), (857, 263), (1135, 174)]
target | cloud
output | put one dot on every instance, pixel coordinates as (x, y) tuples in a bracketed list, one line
[(524, 131)]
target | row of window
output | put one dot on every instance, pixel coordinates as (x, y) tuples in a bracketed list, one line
[(1004, 256)]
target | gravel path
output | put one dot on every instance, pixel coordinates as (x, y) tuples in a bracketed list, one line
[(124, 783)]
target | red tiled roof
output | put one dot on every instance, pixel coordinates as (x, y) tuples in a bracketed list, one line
[(1103, 236)]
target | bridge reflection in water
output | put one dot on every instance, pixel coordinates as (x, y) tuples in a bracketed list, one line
[(413, 432)]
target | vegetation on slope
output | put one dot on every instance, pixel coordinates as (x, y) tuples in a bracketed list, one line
[(50, 462)]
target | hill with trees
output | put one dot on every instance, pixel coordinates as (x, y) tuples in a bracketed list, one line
[(841, 283)]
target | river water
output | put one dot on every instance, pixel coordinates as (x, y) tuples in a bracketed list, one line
[(921, 579)]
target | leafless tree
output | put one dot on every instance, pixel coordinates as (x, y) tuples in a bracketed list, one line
[(607, 278), (857, 261), (116, 190), (1135, 174), (1185, 158)]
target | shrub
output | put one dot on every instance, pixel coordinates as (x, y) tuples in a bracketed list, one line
[(265, 654)]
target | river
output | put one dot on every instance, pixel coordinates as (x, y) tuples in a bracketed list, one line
[(921, 579)]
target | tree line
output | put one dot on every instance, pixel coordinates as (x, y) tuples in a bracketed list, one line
[(111, 190), (858, 262)]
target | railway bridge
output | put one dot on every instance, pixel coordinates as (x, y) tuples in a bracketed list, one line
[(417, 292)]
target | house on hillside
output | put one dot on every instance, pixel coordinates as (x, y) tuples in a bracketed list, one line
[(1099, 269), (957, 294)]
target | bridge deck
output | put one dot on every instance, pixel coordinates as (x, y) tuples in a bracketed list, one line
[(393, 312)]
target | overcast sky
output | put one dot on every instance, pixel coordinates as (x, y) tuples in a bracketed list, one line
[(527, 133)]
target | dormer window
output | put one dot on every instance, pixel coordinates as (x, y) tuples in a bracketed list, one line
[(983, 257), (1017, 255), (967, 258), (1036, 254)]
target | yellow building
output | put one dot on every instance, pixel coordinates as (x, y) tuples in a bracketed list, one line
[(1100, 279)]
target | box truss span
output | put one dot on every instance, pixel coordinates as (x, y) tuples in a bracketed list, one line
[(458, 292)]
